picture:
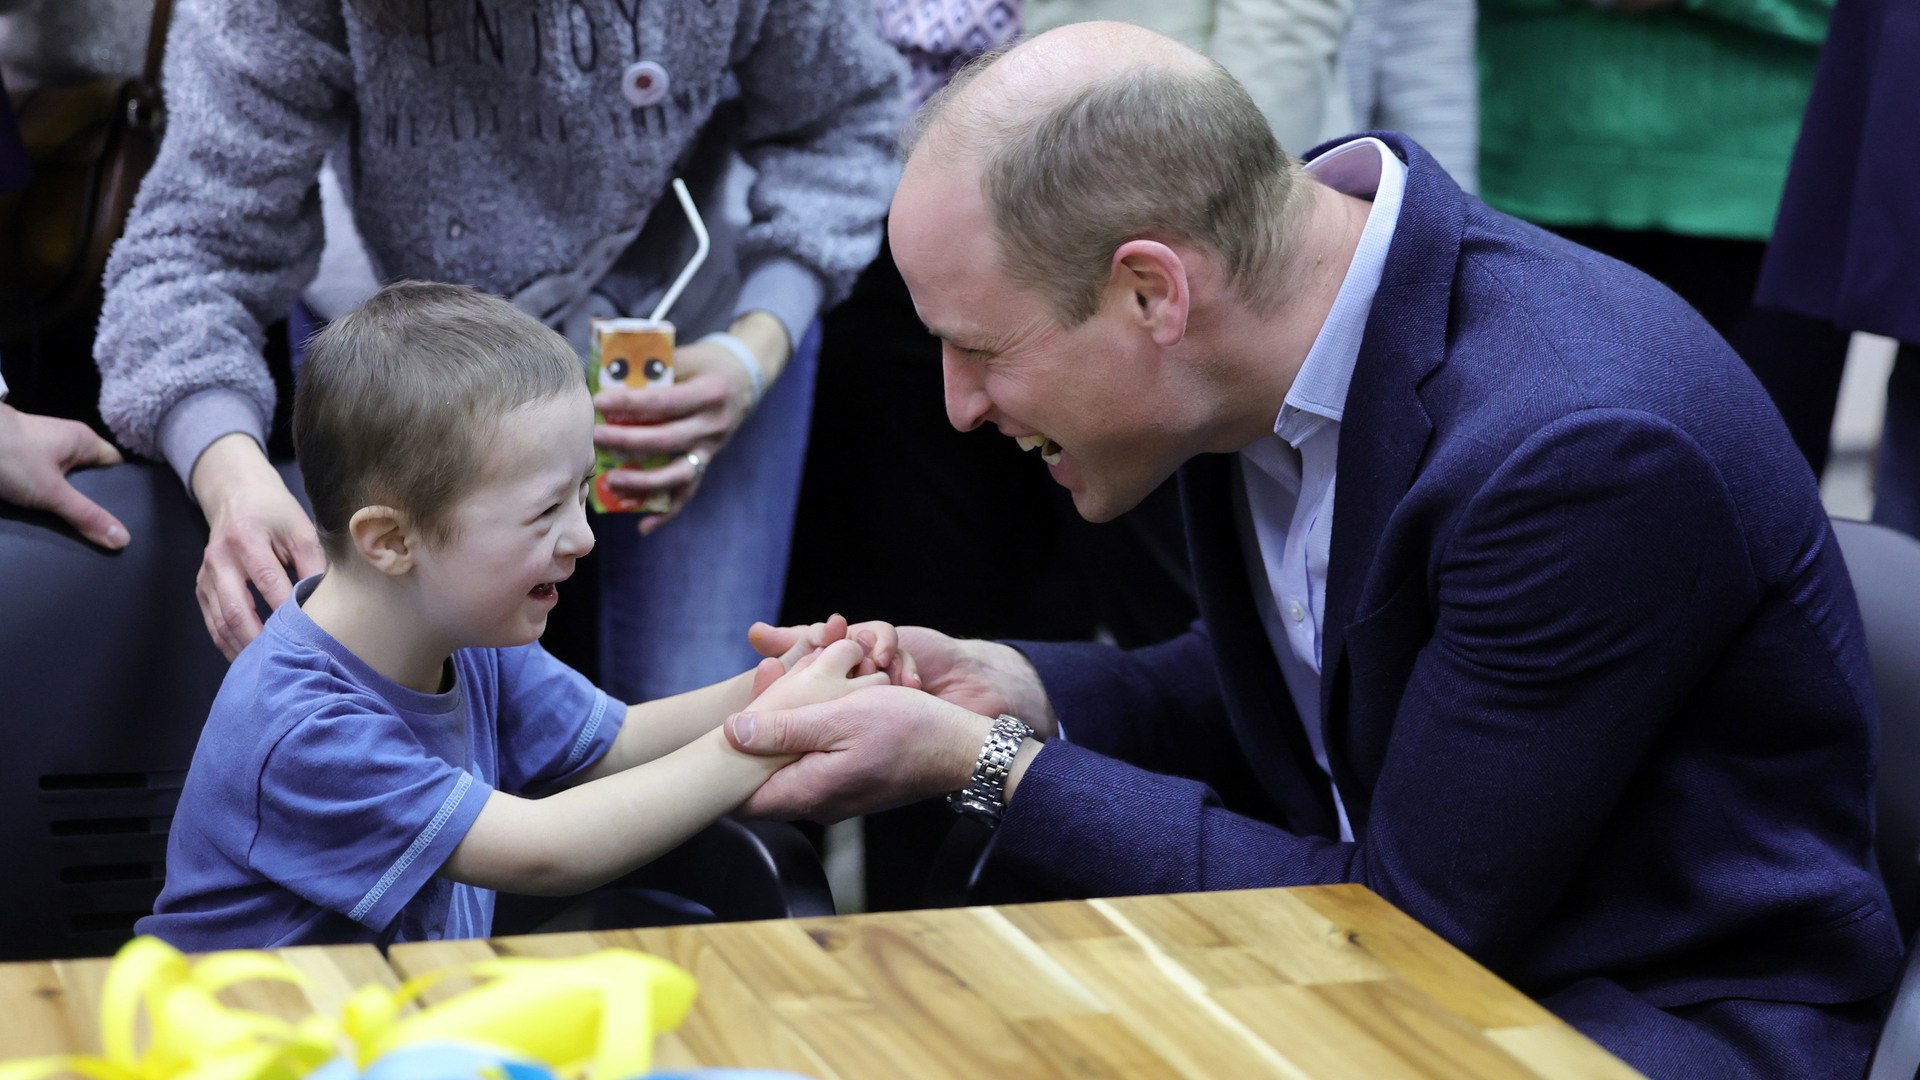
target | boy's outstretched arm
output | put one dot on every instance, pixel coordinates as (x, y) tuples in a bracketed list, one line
[(591, 834), (656, 728)]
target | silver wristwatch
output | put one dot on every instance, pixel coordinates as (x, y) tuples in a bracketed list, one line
[(984, 797)]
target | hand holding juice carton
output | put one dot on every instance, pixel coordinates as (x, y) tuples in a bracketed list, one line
[(634, 354)]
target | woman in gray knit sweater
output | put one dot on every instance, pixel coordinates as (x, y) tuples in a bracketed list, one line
[(519, 146)]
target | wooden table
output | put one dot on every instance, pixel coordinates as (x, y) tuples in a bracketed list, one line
[(1318, 982), (53, 1007)]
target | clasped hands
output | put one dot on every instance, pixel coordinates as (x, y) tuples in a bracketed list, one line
[(882, 743)]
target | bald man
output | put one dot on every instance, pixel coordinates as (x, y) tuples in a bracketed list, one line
[(1518, 605)]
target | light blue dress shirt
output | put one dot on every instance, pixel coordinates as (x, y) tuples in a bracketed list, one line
[(1286, 513)]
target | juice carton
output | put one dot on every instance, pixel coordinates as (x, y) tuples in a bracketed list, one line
[(632, 353)]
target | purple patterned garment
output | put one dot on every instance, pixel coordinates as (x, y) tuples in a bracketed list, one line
[(938, 36)]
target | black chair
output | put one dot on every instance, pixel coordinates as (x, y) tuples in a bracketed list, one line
[(106, 675), (1885, 566)]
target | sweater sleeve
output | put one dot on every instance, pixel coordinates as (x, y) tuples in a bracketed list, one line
[(226, 228), (824, 98)]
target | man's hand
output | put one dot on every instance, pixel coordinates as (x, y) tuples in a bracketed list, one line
[(982, 677), (871, 750), (255, 531), (37, 452)]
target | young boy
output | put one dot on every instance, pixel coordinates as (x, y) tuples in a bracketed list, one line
[(395, 746)]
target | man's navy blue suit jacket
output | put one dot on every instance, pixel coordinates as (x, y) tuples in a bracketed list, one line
[(1594, 684)]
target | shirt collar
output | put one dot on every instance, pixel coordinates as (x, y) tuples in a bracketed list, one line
[(1365, 168)]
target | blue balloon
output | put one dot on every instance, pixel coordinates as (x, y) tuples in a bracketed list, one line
[(436, 1061)]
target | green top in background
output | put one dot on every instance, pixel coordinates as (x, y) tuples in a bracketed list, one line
[(1678, 120)]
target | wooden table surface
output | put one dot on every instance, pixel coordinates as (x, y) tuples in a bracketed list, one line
[(1314, 982), (53, 1007)]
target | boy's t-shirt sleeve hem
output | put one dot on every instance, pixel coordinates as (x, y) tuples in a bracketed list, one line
[(355, 815), (424, 857), (596, 737)]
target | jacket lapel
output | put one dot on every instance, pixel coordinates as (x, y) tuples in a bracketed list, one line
[(1385, 429), (1258, 704)]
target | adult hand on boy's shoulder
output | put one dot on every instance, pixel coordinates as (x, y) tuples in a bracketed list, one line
[(256, 529), (37, 453)]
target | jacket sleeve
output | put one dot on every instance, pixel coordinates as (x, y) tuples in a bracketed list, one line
[(824, 98), (1159, 706), (1577, 608), (226, 228)]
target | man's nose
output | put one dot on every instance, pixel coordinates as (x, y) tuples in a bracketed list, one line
[(966, 401)]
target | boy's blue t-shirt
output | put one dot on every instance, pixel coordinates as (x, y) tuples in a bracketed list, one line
[(324, 797)]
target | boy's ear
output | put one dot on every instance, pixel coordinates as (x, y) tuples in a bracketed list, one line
[(384, 538)]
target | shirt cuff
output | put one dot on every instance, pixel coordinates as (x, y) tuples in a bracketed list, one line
[(196, 421), (788, 291)]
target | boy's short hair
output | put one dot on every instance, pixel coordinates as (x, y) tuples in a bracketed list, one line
[(396, 400)]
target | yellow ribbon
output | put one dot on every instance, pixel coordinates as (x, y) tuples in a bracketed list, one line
[(593, 1015)]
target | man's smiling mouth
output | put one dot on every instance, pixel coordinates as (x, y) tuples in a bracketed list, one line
[(1049, 450)]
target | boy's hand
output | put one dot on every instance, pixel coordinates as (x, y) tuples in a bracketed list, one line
[(880, 640), (819, 676)]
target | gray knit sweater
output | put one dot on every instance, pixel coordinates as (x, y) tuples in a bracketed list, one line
[(506, 144)]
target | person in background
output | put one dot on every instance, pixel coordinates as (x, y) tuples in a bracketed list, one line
[(37, 452), (1658, 132), (520, 148), (1846, 247), (48, 42), (1322, 68)]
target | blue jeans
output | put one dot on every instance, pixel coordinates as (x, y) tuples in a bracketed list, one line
[(675, 606), (1896, 483)]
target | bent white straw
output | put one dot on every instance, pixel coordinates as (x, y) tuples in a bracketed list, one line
[(699, 251)]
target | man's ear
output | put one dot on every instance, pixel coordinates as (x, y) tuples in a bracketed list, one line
[(384, 538), (1152, 280)]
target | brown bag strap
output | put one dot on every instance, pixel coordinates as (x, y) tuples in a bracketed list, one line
[(157, 39)]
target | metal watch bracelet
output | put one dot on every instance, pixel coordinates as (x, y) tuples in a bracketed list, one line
[(984, 797)]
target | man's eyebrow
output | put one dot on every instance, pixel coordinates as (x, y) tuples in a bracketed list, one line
[(959, 339)]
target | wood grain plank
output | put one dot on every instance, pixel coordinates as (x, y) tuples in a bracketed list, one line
[(42, 1015), (1423, 959), (908, 963), (1170, 1010), (729, 1024), (54, 1007), (1371, 1029), (1290, 937), (1097, 1046)]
